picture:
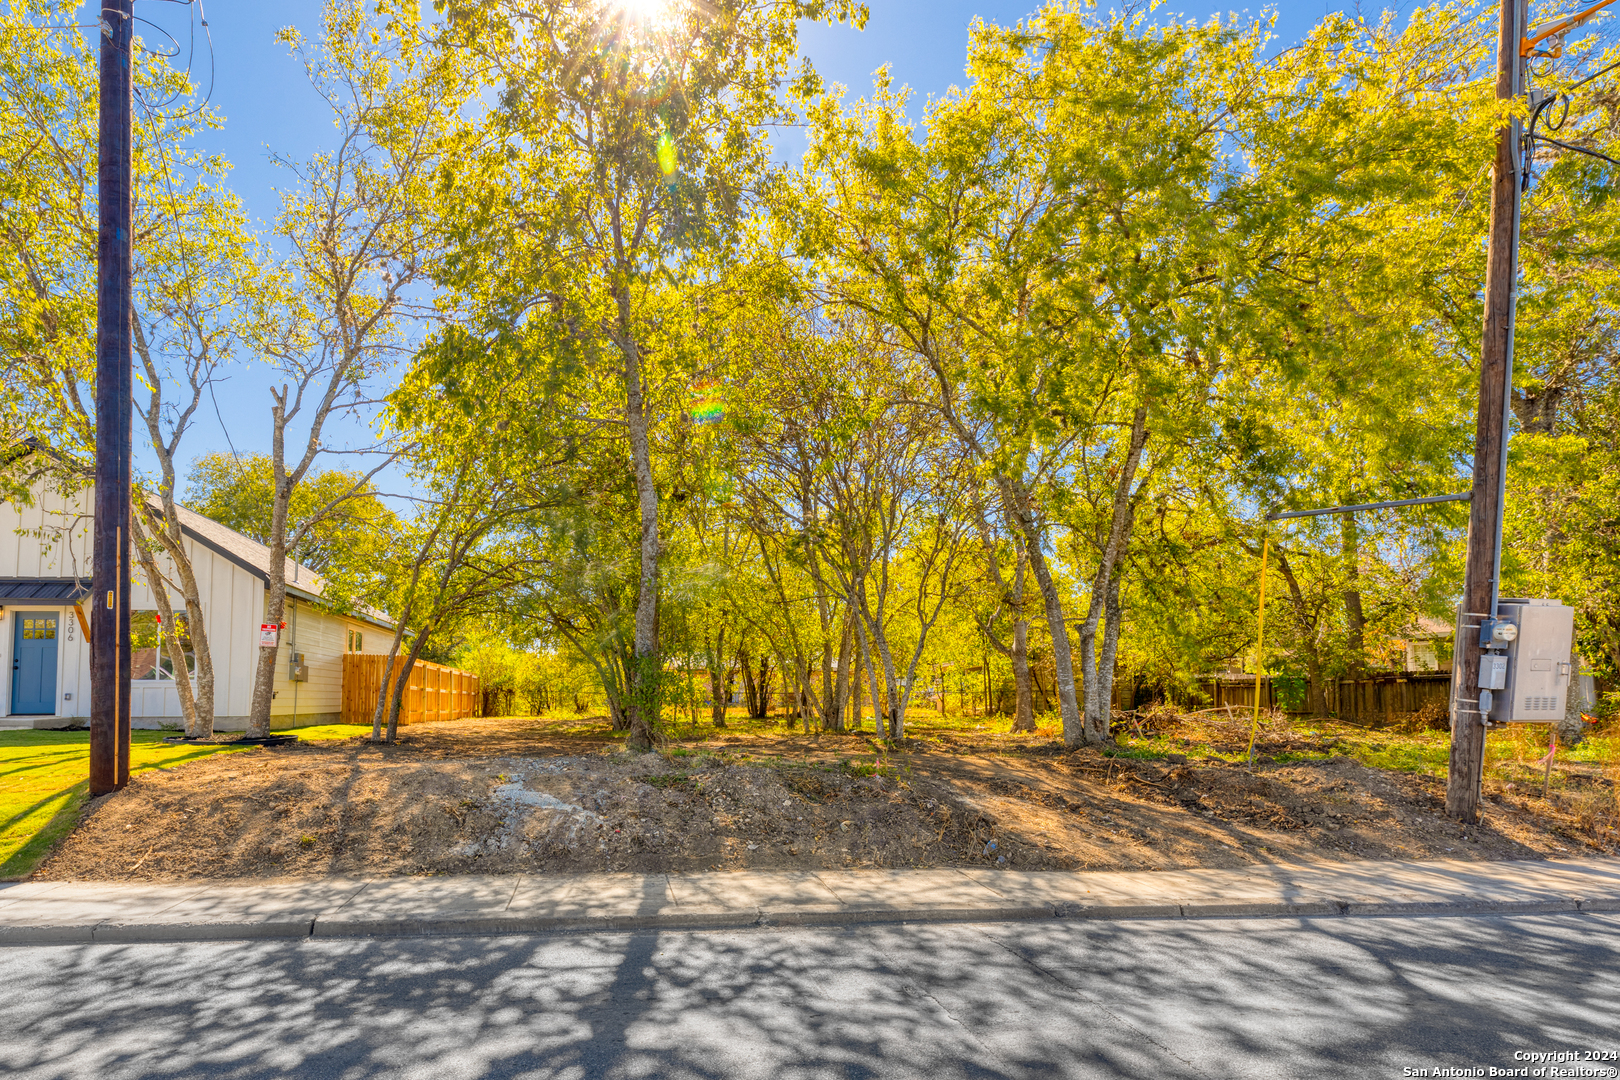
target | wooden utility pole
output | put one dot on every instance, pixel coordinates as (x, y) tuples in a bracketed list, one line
[(1481, 577), (109, 608)]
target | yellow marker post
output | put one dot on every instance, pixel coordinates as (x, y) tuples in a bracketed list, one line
[(1259, 648)]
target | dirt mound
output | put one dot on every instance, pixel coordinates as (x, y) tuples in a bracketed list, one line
[(524, 796), (314, 810)]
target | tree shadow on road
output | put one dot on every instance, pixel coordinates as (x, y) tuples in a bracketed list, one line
[(1214, 998)]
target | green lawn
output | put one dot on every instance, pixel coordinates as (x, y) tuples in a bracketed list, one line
[(44, 781), (329, 731)]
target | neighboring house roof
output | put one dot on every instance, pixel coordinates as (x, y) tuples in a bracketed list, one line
[(254, 557), (54, 589), (244, 551), (1432, 628)]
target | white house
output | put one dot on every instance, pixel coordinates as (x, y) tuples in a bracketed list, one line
[(1427, 646), (45, 551)]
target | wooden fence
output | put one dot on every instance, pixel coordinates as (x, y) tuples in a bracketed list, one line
[(433, 692), (1377, 697)]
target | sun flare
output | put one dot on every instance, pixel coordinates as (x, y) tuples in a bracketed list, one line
[(645, 10)]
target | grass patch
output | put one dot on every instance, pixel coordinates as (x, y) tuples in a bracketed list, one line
[(1594, 750), (321, 732), (1413, 755), (864, 768), (1288, 757), (44, 780)]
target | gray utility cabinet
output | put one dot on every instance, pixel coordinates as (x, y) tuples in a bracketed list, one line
[(1539, 668)]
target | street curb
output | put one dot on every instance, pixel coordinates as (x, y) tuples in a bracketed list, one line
[(1216, 909), (1461, 907), (752, 918), (530, 924), (47, 935), (861, 916), (142, 933), (1117, 911)]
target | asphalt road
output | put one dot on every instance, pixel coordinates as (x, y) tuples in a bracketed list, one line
[(1306, 998)]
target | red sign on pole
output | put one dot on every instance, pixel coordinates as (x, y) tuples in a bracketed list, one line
[(269, 635)]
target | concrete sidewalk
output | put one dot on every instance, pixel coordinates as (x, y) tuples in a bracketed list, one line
[(55, 912)]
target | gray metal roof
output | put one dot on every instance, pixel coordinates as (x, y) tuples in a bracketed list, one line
[(250, 555), (55, 590)]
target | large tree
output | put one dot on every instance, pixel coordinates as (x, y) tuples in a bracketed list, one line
[(624, 146), (361, 227), (196, 273)]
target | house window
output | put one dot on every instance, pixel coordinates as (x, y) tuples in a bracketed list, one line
[(354, 641), (149, 659), (39, 629)]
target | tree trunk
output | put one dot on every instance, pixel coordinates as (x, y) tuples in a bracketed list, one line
[(1537, 410), (892, 698), (1024, 699), (1355, 623), (835, 717), (717, 699), (1315, 686), (1110, 652), (745, 664), (1017, 653), (172, 539), (170, 641), (1024, 707), (1099, 714), (828, 698), (1020, 510), (762, 682), (645, 681), (879, 727), (264, 674), (379, 715), (1062, 658), (809, 706), (401, 681), (167, 534), (855, 689)]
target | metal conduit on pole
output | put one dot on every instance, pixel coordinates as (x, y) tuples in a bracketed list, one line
[(109, 608), (1481, 585)]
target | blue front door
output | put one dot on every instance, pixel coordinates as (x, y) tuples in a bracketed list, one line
[(33, 662)]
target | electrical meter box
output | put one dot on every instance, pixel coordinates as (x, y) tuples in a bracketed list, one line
[(1493, 672), (1539, 667), (299, 671)]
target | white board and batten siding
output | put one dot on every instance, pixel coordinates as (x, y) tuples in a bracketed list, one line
[(323, 638), (51, 540)]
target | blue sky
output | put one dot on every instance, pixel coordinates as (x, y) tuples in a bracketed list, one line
[(269, 107)]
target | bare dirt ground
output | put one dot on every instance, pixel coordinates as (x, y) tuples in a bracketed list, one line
[(518, 795)]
